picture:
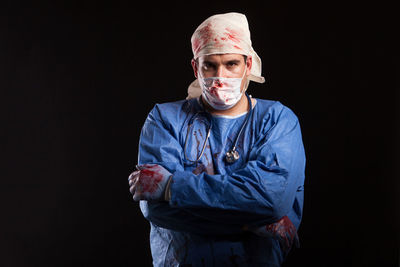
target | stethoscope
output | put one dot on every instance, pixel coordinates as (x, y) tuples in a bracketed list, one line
[(232, 155)]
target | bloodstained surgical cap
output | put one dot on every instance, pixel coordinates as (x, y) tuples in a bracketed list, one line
[(224, 34)]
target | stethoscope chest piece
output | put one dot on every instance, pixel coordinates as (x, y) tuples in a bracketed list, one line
[(232, 156)]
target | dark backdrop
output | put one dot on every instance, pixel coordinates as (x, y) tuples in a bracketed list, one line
[(78, 78)]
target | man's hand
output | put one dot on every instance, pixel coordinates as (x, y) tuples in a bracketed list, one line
[(149, 182), (283, 230)]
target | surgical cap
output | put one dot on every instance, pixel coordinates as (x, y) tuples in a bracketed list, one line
[(224, 34)]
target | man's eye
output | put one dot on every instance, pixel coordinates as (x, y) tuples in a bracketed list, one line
[(208, 66)]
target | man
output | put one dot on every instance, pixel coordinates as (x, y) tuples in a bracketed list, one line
[(221, 174)]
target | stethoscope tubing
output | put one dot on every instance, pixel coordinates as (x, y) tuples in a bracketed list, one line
[(232, 155)]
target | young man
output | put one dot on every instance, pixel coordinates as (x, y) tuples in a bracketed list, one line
[(221, 174)]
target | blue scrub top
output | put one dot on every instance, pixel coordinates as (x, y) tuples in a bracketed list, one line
[(212, 201)]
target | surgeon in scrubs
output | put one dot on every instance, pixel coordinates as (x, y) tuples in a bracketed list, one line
[(220, 174)]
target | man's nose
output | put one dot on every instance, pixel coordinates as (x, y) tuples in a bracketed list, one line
[(220, 72)]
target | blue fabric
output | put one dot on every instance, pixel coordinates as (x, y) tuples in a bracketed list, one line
[(212, 201)]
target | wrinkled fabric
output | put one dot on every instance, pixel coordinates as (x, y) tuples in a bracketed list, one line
[(213, 202), (224, 34)]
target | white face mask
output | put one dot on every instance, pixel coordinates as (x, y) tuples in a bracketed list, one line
[(221, 93)]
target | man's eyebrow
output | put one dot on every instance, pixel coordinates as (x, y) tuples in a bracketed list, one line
[(208, 62), (236, 61)]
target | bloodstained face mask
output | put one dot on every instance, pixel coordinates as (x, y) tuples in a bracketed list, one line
[(221, 93)]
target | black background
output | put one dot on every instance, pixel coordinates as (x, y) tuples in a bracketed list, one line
[(77, 80)]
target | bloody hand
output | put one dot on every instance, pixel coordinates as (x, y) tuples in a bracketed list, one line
[(149, 182), (283, 230)]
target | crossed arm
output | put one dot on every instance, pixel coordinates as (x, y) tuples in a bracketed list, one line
[(262, 193)]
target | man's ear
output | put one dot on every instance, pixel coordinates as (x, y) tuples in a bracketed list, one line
[(249, 63), (194, 66)]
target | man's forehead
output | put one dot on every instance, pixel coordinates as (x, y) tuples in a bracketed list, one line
[(221, 57)]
